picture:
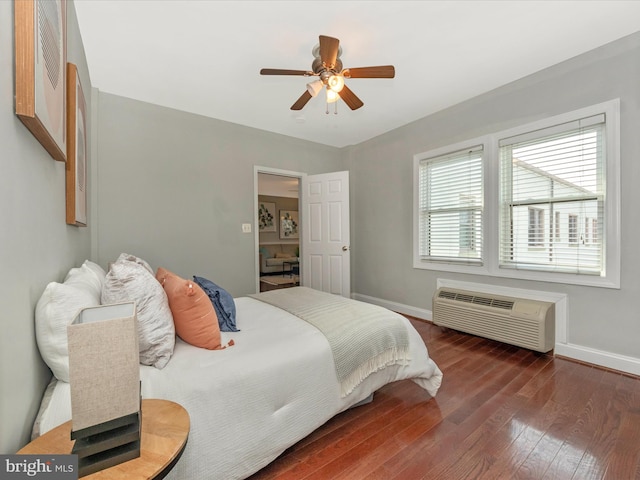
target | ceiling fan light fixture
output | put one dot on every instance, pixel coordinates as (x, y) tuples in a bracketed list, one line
[(336, 83), (314, 87), (327, 65), (332, 96)]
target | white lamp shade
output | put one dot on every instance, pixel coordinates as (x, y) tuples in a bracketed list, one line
[(314, 87), (336, 82), (332, 96)]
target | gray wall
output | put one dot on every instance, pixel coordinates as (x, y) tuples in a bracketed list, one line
[(381, 189), (36, 245), (174, 188)]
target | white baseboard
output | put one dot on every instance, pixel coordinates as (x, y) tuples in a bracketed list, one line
[(598, 357), (576, 352), (420, 313)]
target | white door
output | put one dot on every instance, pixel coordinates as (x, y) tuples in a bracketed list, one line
[(326, 256)]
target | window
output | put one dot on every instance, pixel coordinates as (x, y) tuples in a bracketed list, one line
[(591, 230), (450, 206), (573, 229), (559, 169), (468, 230), (536, 227), (587, 231)]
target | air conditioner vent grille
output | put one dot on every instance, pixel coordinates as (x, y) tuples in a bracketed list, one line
[(476, 299), (506, 304), (447, 294)]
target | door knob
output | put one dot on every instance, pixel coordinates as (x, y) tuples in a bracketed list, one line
[(345, 248)]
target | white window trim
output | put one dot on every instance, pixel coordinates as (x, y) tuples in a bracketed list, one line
[(491, 202)]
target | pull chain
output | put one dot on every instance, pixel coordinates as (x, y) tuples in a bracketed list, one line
[(335, 112)]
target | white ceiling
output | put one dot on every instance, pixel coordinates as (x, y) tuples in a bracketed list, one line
[(204, 56), (278, 186)]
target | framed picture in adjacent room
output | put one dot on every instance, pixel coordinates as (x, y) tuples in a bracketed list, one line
[(289, 226), (267, 221), (41, 63), (76, 175)]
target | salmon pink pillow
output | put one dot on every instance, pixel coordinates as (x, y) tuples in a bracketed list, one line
[(193, 314)]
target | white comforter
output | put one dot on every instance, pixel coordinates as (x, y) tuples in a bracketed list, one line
[(250, 402)]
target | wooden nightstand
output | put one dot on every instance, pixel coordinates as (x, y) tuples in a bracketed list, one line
[(165, 429)]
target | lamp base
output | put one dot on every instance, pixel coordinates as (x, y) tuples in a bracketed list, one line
[(107, 444)]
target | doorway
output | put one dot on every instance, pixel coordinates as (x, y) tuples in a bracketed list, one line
[(278, 228)]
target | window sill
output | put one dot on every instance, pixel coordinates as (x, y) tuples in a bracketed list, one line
[(531, 275)]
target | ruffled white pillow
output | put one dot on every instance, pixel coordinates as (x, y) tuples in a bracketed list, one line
[(89, 275), (131, 279), (58, 306)]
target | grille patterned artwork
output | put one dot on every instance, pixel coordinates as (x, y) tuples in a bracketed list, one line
[(41, 58)]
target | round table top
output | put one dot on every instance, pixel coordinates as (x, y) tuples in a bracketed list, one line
[(165, 429)]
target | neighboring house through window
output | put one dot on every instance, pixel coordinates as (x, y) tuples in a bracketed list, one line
[(536, 227), (556, 169)]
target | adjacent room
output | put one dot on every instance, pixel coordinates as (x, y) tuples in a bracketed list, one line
[(346, 240), (279, 231)]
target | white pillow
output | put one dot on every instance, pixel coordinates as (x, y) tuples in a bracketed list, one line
[(87, 276), (97, 269), (57, 307), (129, 279)]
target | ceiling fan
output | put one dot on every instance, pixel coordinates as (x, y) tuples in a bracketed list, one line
[(328, 67)]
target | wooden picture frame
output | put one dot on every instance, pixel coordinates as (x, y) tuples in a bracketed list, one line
[(77, 153), (41, 62)]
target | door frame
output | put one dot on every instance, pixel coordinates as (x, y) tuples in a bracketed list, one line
[(282, 173)]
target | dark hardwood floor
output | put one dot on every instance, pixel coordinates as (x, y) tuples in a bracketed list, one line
[(502, 413)]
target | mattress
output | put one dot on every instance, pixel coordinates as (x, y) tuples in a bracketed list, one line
[(250, 402)]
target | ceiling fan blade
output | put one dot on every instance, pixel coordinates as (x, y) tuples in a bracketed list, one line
[(279, 71), (350, 98), (302, 101), (382, 71), (329, 50)]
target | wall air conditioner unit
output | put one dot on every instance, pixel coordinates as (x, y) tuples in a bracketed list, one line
[(517, 321)]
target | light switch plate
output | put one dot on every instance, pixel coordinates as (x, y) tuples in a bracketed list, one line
[(246, 228)]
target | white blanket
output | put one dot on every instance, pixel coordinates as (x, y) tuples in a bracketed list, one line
[(342, 322), (250, 402)]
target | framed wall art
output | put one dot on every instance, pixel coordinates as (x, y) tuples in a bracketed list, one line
[(76, 171), (41, 60), (267, 217), (289, 226)]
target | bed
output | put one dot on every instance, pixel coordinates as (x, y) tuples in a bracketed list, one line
[(276, 384)]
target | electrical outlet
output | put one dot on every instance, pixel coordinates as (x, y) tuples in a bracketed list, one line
[(246, 228)]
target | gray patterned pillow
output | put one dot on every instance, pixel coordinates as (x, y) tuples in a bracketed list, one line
[(129, 279)]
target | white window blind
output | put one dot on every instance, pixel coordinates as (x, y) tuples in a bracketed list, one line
[(555, 173), (450, 206)]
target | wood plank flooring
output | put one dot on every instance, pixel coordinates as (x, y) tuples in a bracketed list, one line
[(502, 413)]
